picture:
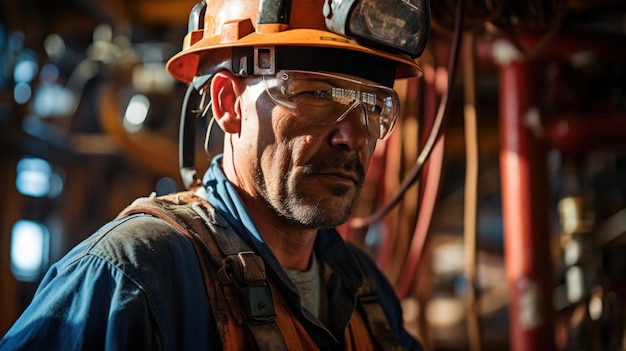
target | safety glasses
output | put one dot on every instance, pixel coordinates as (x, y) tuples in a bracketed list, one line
[(324, 99)]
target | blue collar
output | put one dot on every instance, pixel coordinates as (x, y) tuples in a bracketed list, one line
[(328, 245)]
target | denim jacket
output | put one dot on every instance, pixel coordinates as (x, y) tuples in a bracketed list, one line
[(136, 284)]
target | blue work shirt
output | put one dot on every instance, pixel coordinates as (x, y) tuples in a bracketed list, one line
[(136, 284)]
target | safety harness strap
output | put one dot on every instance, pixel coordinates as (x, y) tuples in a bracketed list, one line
[(231, 272), (375, 317), (236, 283)]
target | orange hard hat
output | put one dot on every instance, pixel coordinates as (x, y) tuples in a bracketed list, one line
[(373, 39)]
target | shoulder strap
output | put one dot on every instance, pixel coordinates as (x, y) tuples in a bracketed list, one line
[(375, 317), (234, 276)]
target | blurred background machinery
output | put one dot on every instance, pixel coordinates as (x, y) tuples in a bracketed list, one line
[(512, 237)]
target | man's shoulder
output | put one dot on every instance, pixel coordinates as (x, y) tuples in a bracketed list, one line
[(138, 239), (141, 247)]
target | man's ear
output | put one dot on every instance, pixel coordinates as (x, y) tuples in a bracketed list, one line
[(225, 92)]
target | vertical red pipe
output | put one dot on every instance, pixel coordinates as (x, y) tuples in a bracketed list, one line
[(526, 230)]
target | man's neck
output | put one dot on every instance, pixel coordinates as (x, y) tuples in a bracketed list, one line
[(291, 243)]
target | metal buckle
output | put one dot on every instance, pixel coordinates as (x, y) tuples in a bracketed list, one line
[(264, 61)]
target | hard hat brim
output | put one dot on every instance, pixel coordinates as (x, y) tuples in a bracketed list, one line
[(184, 65)]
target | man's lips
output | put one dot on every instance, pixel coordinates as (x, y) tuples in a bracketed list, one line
[(340, 175), (347, 170)]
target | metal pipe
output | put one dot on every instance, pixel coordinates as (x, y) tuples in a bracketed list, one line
[(526, 230), (581, 133), (470, 207)]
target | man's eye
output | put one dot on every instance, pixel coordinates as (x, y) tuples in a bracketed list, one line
[(373, 108)]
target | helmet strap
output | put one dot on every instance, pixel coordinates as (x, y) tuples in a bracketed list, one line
[(268, 60)]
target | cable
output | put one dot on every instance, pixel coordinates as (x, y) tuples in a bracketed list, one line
[(187, 130), (435, 133), (187, 141), (471, 197), (435, 140)]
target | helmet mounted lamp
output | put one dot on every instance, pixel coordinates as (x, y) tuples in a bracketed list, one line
[(399, 26)]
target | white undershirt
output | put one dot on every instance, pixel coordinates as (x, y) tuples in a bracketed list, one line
[(310, 285)]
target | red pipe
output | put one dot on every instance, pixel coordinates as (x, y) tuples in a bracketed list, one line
[(607, 48), (575, 134), (526, 231)]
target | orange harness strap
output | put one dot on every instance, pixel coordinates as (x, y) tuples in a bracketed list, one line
[(248, 309)]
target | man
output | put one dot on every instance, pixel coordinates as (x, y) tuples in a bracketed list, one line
[(301, 108)]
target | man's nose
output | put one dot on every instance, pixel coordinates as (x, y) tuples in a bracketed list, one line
[(350, 131)]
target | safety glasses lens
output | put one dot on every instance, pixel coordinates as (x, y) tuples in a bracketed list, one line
[(325, 99)]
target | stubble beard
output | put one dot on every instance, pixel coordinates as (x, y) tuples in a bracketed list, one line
[(296, 206)]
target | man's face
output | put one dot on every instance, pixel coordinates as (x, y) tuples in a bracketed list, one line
[(308, 172)]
